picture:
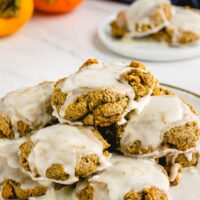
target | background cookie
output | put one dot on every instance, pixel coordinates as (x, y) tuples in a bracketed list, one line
[(184, 28), (142, 18)]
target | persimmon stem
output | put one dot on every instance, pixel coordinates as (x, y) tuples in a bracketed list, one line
[(9, 8)]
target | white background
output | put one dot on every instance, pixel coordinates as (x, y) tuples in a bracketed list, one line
[(51, 47)]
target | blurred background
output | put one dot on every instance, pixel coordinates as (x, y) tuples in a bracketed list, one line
[(192, 3)]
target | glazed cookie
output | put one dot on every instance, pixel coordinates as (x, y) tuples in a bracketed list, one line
[(166, 125), (183, 30), (25, 110), (174, 163), (102, 93), (142, 18), (15, 184), (126, 179), (63, 153), (187, 159)]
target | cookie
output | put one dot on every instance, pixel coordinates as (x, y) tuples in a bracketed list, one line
[(102, 93), (15, 184), (25, 110), (175, 163), (142, 18), (166, 125), (132, 178), (63, 153), (184, 28)]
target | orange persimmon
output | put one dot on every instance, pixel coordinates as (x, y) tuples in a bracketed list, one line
[(14, 14), (56, 6)]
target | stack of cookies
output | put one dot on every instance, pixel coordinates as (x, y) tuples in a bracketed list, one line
[(109, 131)]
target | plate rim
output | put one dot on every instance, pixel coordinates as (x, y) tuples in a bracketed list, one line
[(101, 31), (181, 89)]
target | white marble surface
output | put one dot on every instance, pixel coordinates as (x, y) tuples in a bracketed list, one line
[(50, 47)]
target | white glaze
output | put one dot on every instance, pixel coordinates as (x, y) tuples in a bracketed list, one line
[(9, 165), (140, 12), (126, 174), (171, 159), (188, 155), (10, 168), (64, 144), (174, 170), (99, 76), (160, 115), (28, 105)]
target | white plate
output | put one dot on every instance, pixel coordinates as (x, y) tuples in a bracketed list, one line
[(188, 188), (144, 49)]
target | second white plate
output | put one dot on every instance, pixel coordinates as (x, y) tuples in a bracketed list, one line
[(144, 49)]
